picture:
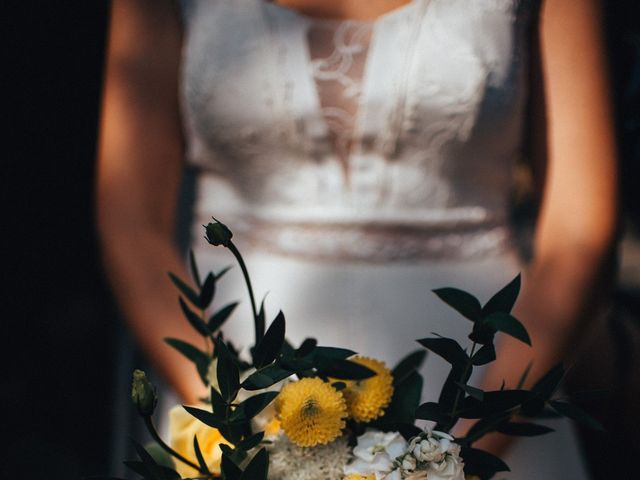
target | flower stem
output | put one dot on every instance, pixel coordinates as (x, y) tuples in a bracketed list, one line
[(259, 327), (154, 434)]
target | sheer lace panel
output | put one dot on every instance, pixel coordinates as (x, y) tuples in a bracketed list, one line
[(338, 51)]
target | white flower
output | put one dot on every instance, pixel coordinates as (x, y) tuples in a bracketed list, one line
[(395, 475), (433, 446), (287, 461), (421, 475), (428, 450), (432, 455), (409, 462), (450, 468), (375, 453)]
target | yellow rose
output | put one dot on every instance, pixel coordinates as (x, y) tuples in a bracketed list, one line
[(182, 428)]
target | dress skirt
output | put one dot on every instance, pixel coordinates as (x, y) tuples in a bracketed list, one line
[(379, 310)]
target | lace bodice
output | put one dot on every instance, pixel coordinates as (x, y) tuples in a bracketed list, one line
[(393, 138)]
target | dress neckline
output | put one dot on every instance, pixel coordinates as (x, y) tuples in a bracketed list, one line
[(371, 115), (329, 20)]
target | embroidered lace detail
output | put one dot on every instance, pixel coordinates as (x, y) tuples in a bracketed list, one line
[(338, 51)]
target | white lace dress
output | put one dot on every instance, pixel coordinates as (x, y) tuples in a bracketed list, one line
[(360, 165)]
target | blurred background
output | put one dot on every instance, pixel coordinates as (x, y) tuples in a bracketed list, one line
[(60, 389)]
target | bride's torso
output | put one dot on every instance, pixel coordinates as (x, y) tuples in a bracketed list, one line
[(398, 134), (361, 164)]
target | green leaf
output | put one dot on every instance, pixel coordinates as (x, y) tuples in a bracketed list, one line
[(260, 322), (333, 352), (450, 390), (341, 369), (251, 442), (221, 316), (258, 468), (227, 450), (482, 427), (534, 407), (307, 347), (407, 430), (207, 293), (222, 272), (505, 323), (504, 300), (486, 354), (576, 413), (405, 400), (198, 357), (471, 391), (230, 471), (208, 418), (434, 412), (493, 403), (479, 462), (465, 303), (252, 406), (408, 364), (185, 289), (296, 364), (218, 404), (194, 319), (548, 384), (482, 333), (446, 348), (203, 465), (227, 372), (269, 347), (156, 471), (265, 377), (194, 269), (523, 429)]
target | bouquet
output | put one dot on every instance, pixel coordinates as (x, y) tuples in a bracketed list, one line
[(315, 412)]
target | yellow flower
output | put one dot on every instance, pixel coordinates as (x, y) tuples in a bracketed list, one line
[(355, 476), (272, 429), (311, 412), (182, 428), (367, 399)]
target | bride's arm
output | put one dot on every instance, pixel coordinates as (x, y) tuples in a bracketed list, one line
[(139, 168), (577, 222)]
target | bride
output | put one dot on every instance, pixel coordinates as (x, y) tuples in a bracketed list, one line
[(362, 152)]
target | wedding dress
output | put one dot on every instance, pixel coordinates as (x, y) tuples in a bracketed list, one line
[(361, 164)]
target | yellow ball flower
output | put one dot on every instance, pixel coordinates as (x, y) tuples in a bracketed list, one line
[(182, 428), (311, 412), (355, 476), (272, 429), (367, 399)]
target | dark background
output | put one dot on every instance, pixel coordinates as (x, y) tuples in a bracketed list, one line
[(59, 385)]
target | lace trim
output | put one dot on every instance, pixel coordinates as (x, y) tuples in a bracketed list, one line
[(338, 73)]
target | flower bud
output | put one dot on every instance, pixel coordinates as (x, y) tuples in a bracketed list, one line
[(143, 394), (218, 234)]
